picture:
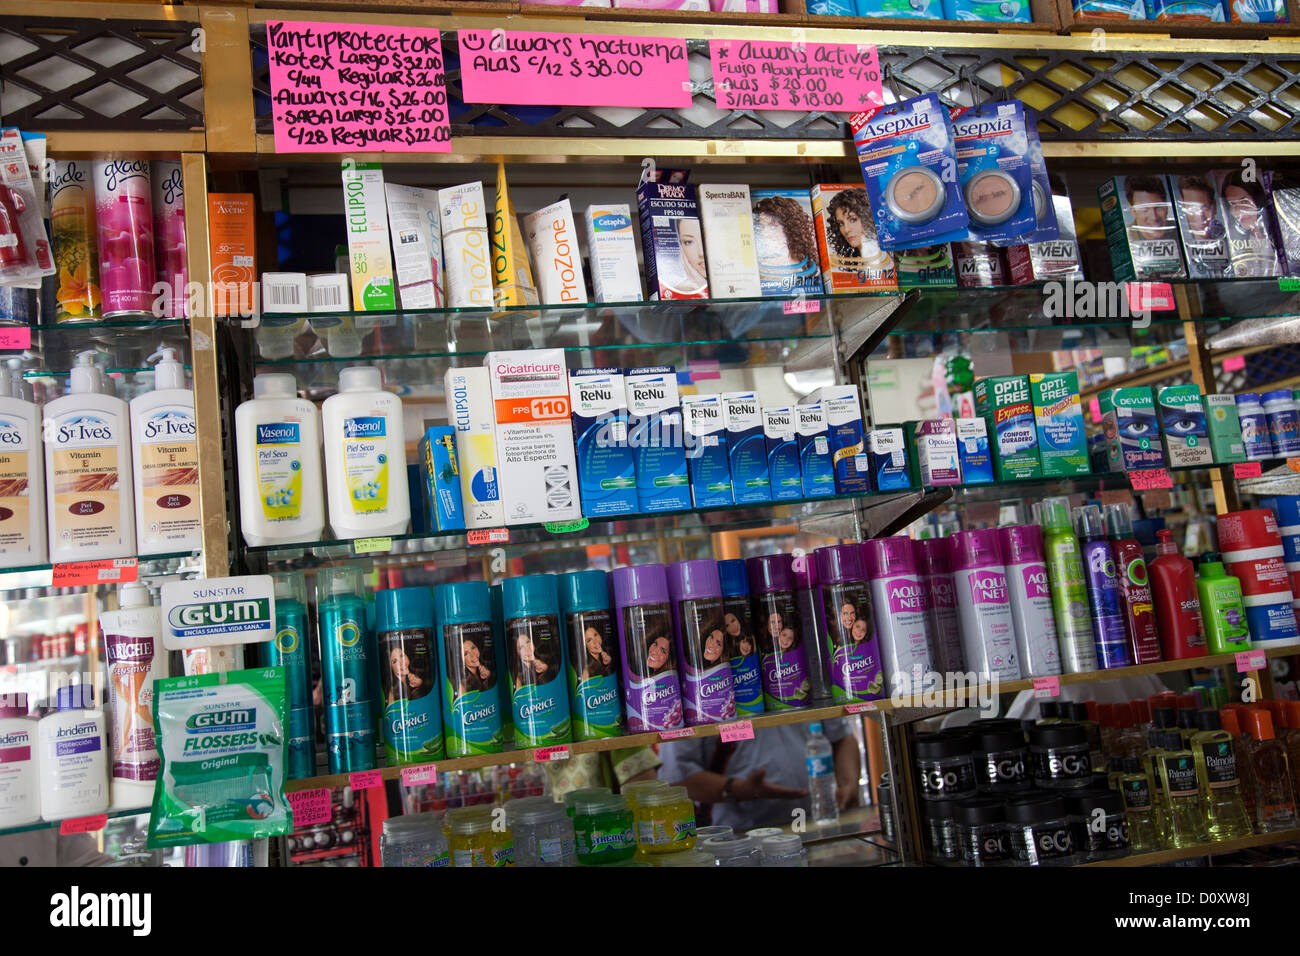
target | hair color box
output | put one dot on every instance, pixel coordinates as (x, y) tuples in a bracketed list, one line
[(851, 257), (1247, 219), (788, 261), (1141, 230)]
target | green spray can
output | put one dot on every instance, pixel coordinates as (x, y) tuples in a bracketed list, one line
[(471, 675), (348, 667), (289, 649), (1069, 586)]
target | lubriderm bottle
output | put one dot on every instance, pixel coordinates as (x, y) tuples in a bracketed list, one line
[(22, 474), (20, 779), (365, 456), (165, 450), (1216, 768), (74, 765)]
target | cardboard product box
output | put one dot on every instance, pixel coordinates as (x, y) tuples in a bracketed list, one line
[(606, 465), (657, 439), (786, 241), (611, 252), (1004, 401), (1182, 421), (844, 424), (439, 484), (366, 212), (1128, 420), (815, 469), (851, 257), (1225, 428), (552, 237), (780, 437), (936, 452), (1058, 416), (1141, 228), (1200, 225), (728, 221), (467, 253), (1248, 223), (706, 453), (1050, 259), (746, 447), (471, 414), (232, 244), (891, 465), (926, 267), (672, 240), (973, 451)]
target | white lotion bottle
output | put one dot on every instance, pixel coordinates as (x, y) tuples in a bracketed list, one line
[(74, 765), (365, 457), (22, 474), (135, 656), (165, 453), (277, 441), (89, 502), (20, 778)]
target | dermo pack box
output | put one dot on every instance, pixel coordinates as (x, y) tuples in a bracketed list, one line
[(657, 439), (1128, 420), (706, 451), (606, 465), (1182, 421), (1058, 414), (1225, 428), (1004, 402), (746, 447)]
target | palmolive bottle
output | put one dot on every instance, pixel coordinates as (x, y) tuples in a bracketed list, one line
[(1134, 586), (1178, 606), (1103, 589), (1069, 587)]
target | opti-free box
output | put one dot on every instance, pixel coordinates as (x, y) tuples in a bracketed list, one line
[(606, 465), (746, 448), (470, 413), (1058, 414), (887, 451), (611, 250), (706, 452), (973, 451), (1004, 402), (655, 435), (1225, 428), (815, 470), (440, 490), (1182, 420), (936, 452), (1128, 420), (843, 407), (538, 470), (367, 218), (782, 453), (728, 223)]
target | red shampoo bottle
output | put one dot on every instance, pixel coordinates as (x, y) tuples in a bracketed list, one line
[(1178, 607)]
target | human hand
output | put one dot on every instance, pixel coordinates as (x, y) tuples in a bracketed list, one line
[(756, 787)]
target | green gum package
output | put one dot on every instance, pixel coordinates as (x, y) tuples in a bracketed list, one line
[(222, 743)]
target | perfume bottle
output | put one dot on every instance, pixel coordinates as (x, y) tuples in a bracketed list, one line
[(1274, 793), (1216, 770), (1231, 724), (1183, 811), (1140, 811), (1291, 738)]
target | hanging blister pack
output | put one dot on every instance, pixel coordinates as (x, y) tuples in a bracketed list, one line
[(221, 739)]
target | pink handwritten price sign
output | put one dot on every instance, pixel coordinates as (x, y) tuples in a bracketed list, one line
[(572, 69), (102, 571), (15, 337), (1150, 296), (800, 306), (365, 779), (764, 75), (543, 754), (1234, 363), (677, 734), (1094, 409), (83, 824), (861, 707), (1148, 478), (417, 776), (357, 87), (310, 806), (739, 730), (1251, 660), (488, 536), (1047, 687), (1247, 469)]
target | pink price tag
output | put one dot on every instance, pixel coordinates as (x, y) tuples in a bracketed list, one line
[(365, 779), (15, 337), (104, 571), (1247, 469), (766, 75), (1094, 409), (1047, 687), (739, 730), (310, 806), (83, 824), (1251, 660), (799, 306), (488, 536), (543, 754), (677, 734), (357, 87), (572, 69), (418, 776), (1234, 363), (860, 708), (1149, 478), (1150, 296)]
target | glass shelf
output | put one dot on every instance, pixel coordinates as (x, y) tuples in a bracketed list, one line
[(126, 344), (37, 578), (44, 824)]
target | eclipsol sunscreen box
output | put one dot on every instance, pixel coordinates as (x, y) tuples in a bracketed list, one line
[(1004, 402), (470, 412)]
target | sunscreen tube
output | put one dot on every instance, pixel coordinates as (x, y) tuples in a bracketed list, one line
[(553, 243), (470, 413)]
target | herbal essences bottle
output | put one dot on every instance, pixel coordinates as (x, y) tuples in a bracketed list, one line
[(1134, 586), (1183, 812), (1178, 605), (665, 820), (1274, 794), (1222, 610), (1216, 769)]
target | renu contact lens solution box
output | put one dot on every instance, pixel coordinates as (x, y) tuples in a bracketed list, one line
[(1128, 420), (1182, 421), (973, 451), (782, 453), (606, 466), (706, 451), (1225, 428), (1058, 415), (538, 470), (815, 470), (656, 437), (746, 447), (843, 408), (887, 453), (1004, 402), (471, 414)]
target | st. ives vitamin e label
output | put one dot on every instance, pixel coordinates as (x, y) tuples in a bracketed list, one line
[(86, 481), (169, 472)]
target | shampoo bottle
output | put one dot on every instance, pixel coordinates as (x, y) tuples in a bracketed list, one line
[(1069, 587), (165, 450), (1178, 606), (22, 475), (365, 456), (277, 437), (1134, 586), (1103, 589), (136, 658), (1222, 611), (91, 508)]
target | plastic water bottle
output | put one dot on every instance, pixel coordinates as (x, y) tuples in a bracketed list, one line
[(821, 777)]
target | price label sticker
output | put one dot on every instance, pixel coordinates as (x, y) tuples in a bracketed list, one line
[(84, 824), (567, 527), (543, 754), (1148, 478), (1247, 469), (418, 776), (488, 536), (774, 75), (365, 779), (861, 707), (677, 734), (106, 571), (799, 306), (310, 806), (1288, 284), (1234, 363), (1293, 464), (1045, 687), (371, 545), (1094, 409), (738, 730), (1251, 660), (1144, 297), (15, 337)]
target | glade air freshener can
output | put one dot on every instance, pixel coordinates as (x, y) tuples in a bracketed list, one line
[(124, 228), (73, 239)]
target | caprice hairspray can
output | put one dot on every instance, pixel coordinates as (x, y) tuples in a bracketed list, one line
[(467, 654), (901, 608), (934, 563), (843, 596), (651, 686), (124, 226), (1031, 600), (696, 596), (170, 262), (594, 697), (815, 647), (988, 630), (742, 637), (539, 683), (781, 637), (72, 235)]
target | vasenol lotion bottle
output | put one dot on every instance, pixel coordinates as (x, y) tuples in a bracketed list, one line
[(165, 452), (135, 656), (901, 609), (90, 506), (22, 475), (289, 649), (1104, 596), (1069, 587), (471, 711), (988, 631), (1029, 588), (365, 456), (539, 691), (20, 778), (277, 440)]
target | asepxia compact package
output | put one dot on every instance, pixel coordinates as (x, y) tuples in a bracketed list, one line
[(1045, 211), (606, 465), (1225, 428), (1182, 421), (1128, 420), (746, 447), (1200, 224), (996, 175), (222, 742), (728, 223), (706, 451), (672, 239), (1004, 402), (1058, 414), (936, 452), (655, 435), (786, 242), (843, 407), (1247, 220), (440, 489), (851, 257), (973, 451), (904, 151), (815, 470), (779, 434), (1141, 230), (887, 453)]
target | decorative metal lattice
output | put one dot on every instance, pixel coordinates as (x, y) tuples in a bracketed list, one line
[(80, 74)]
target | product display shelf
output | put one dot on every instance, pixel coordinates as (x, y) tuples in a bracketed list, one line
[(111, 814), (1165, 371), (1158, 857), (124, 344), (1073, 22), (42, 575)]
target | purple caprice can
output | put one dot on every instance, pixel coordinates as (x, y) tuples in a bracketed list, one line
[(651, 691), (901, 608), (934, 563), (780, 635), (816, 650), (707, 693), (844, 607)]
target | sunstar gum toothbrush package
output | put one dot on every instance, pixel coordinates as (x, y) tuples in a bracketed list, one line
[(222, 743), (996, 176), (907, 155)]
